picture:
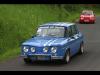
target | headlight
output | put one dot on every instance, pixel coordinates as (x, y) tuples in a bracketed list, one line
[(32, 49), (25, 49), (45, 49), (81, 18), (54, 49)]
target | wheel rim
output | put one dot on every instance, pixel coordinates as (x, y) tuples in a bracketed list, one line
[(67, 57), (82, 49)]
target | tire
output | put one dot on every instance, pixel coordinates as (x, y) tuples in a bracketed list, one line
[(93, 22), (67, 57), (80, 22), (81, 50), (27, 60)]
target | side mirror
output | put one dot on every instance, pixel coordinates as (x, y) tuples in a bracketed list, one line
[(73, 37), (32, 36)]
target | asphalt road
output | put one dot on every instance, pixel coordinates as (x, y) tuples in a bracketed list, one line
[(89, 61)]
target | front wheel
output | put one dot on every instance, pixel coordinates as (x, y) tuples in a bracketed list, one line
[(67, 57), (93, 22), (81, 50)]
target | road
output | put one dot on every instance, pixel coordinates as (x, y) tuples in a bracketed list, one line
[(89, 61)]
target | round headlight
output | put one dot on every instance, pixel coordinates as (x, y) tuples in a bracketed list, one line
[(25, 49), (54, 49), (45, 49), (32, 49)]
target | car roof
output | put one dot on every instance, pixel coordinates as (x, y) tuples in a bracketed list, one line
[(63, 24)]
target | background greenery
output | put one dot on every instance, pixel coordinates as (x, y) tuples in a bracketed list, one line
[(19, 22)]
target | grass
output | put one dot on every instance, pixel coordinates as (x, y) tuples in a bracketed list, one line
[(9, 54), (19, 22)]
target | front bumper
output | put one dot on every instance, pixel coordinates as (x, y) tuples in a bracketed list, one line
[(44, 57), (86, 21)]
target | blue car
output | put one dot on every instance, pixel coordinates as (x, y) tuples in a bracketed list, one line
[(53, 41)]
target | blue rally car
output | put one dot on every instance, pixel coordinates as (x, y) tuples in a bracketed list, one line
[(53, 41)]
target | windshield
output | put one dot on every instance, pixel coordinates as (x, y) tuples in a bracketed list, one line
[(51, 31), (87, 13)]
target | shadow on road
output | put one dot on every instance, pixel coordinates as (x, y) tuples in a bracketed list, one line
[(45, 63), (55, 63)]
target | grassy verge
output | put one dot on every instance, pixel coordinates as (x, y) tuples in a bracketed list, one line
[(9, 54)]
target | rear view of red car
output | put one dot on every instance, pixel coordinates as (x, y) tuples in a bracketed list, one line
[(87, 16)]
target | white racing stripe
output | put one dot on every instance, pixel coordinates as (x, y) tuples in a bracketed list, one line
[(47, 42), (64, 41), (52, 42)]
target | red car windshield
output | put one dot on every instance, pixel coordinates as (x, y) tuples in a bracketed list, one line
[(87, 13)]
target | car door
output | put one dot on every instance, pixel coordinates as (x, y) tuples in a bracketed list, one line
[(77, 37), (74, 39)]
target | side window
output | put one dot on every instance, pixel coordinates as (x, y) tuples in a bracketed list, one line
[(66, 32), (69, 32), (74, 29)]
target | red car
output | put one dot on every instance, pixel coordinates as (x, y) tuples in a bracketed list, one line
[(87, 16)]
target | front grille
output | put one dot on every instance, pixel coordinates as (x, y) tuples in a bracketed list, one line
[(41, 57)]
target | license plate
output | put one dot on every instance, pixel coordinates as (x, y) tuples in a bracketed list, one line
[(40, 57), (86, 20)]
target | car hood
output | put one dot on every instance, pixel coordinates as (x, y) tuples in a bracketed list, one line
[(87, 15), (45, 41)]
